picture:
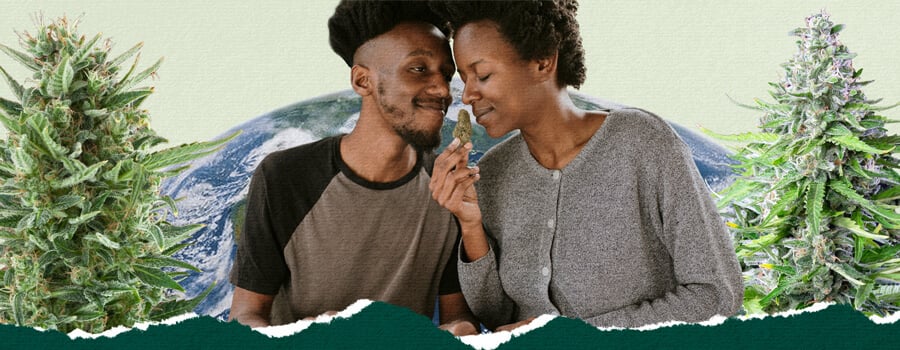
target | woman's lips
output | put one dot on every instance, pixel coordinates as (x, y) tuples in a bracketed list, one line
[(481, 112)]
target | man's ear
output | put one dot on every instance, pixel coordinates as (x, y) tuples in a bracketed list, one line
[(546, 67), (360, 80)]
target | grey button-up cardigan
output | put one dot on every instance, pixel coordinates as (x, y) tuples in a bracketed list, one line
[(627, 234)]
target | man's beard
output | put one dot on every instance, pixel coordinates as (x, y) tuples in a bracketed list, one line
[(421, 140)]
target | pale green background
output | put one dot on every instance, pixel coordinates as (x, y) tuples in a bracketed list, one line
[(230, 61)]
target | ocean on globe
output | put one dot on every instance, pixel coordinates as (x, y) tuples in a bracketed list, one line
[(213, 190)]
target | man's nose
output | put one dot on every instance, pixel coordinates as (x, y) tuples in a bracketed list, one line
[(439, 86)]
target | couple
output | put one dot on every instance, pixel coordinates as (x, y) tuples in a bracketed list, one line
[(596, 215)]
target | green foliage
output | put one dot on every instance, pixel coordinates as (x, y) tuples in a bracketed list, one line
[(83, 233), (815, 211)]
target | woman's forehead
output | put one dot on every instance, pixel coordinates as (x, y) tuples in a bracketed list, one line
[(481, 42)]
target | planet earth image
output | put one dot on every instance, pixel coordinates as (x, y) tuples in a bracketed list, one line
[(213, 190)]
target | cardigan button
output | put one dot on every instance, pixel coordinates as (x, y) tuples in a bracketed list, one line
[(551, 223), (555, 174), (545, 271)]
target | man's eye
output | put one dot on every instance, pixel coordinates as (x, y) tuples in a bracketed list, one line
[(484, 78), (418, 69)]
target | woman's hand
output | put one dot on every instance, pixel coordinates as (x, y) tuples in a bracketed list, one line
[(460, 328), (512, 326), (452, 183), (453, 187)]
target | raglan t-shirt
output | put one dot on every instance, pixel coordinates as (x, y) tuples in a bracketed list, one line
[(318, 237)]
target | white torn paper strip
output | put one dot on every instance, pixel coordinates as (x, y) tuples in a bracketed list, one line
[(481, 341), (296, 327)]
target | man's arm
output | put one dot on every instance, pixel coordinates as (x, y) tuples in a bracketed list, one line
[(456, 317), (250, 308), (259, 264)]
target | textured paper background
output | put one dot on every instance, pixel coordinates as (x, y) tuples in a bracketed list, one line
[(229, 61)]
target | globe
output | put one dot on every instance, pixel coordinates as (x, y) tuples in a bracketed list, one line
[(214, 188)]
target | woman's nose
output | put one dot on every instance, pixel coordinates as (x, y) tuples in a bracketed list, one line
[(470, 93)]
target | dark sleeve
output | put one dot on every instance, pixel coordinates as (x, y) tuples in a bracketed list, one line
[(284, 187), (450, 278), (259, 264)]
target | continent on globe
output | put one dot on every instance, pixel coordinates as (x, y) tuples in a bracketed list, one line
[(215, 187)]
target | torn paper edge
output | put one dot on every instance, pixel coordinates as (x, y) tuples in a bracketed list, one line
[(480, 341)]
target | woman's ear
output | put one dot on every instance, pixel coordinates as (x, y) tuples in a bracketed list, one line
[(546, 67), (359, 80)]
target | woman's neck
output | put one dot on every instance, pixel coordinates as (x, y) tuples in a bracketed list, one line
[(559, 131)]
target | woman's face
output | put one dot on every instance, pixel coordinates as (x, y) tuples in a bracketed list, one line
[(500, 86)]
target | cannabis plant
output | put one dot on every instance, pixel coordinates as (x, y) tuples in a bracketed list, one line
[(84, 241), (814, 211)]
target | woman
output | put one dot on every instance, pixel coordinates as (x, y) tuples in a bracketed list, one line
[(600, 215)]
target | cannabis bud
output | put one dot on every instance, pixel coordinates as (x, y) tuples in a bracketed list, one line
[(463, 129)]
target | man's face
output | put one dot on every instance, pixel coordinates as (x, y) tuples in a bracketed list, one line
[(411, 71)]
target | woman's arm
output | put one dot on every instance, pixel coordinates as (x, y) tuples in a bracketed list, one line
[(452, 186), (480, 283)]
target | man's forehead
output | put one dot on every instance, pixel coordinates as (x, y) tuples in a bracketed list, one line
[(421, 52)]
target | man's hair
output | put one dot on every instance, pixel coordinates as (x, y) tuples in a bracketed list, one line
[(355, 22), (536, 29)]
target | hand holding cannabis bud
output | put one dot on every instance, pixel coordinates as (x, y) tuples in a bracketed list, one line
[(453, 187), (452, 182)]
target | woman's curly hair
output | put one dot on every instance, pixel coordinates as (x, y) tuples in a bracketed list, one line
[(536, 29)]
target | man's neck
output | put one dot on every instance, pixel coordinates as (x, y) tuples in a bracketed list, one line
[(377, 155)]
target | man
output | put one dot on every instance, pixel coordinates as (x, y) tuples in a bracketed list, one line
[(351, 216)]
